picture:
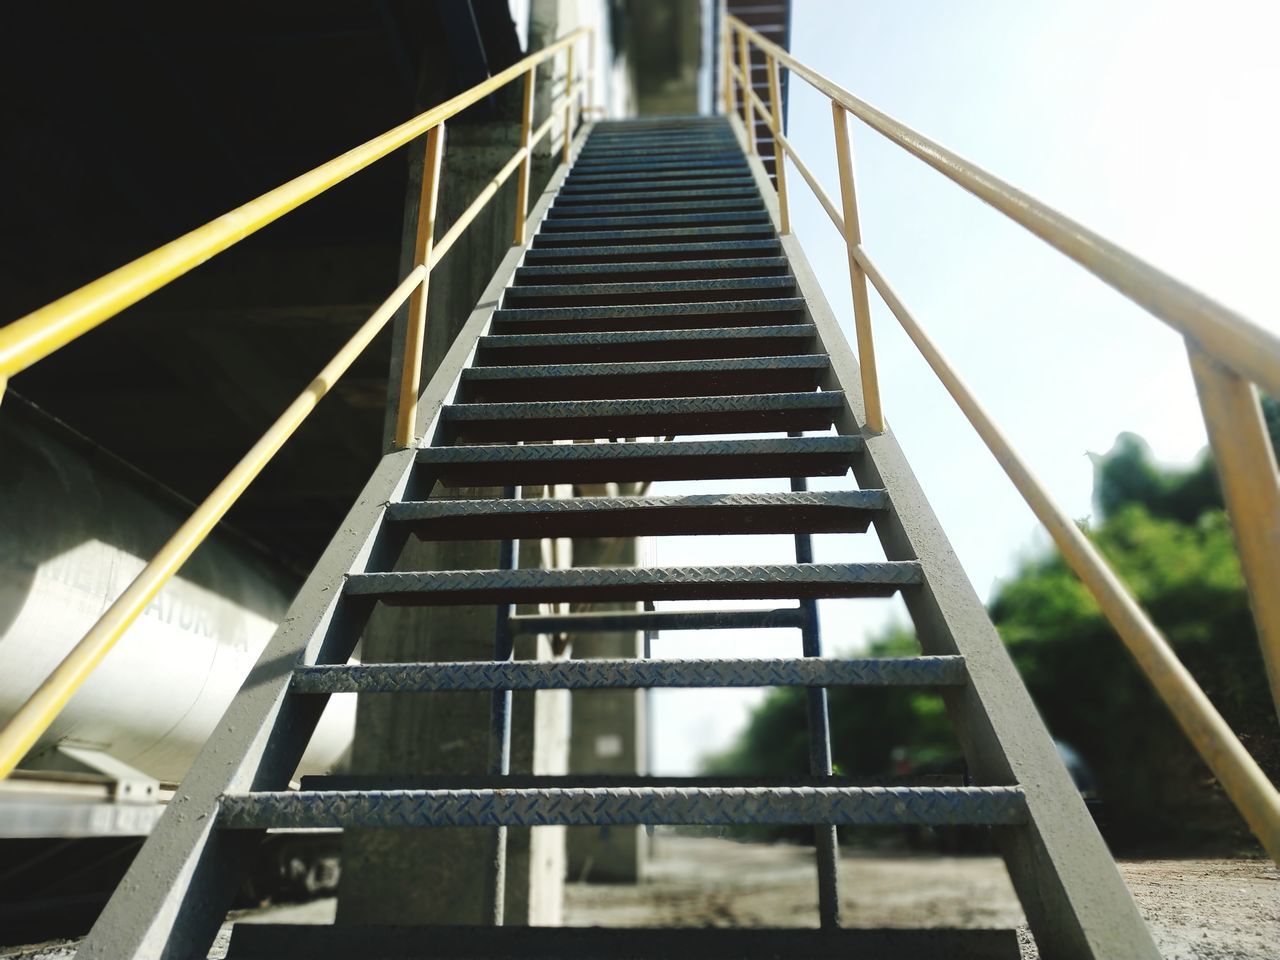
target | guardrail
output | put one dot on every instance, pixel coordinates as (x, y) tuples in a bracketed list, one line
[(37, 335), (1228, 355)]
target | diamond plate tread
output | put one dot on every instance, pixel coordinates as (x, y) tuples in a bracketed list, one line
[(626, 621), (664, 417), (748, 202), (651, 249), (585, 338), (592, 171), (552, 224), (534, 463), (555, 371), (629, 674), (652, 266), (758, 582), (618, 806), (694, 514), (265, 941), (542, 240), (732, 403), (641, 288), (711, 155), (631, 310), (635, 187), (633, 196), (639, 151)]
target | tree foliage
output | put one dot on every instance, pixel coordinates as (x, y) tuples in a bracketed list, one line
[(1165, 532)]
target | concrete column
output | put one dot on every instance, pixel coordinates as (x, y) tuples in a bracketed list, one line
[(437, 876), (608, 735)]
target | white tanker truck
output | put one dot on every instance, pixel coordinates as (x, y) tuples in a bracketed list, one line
[(74, 530)]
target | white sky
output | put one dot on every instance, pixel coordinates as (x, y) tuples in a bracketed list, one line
[(1155, 123)]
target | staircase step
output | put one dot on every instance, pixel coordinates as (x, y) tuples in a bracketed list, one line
[(597, 584), (264, 941), (623, 254), (710, 268), (646, 292), (657, 378), (662, 185), (656, 417), (617, 806), (698, 343), (626, 621), (625, 208), (746, 189), (629, 674), (694, 514), (558, 224), (744, 231), (541, 463), (657, 316), (724, 164)]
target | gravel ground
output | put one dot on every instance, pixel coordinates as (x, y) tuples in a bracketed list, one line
[(1197, 909)]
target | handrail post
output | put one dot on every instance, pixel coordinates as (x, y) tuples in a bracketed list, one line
[(748, 108), (589, 95), (779, 157), (857, 277), (1247, 468), (522, 178), (726, 62), (415, 333), (568, 104)]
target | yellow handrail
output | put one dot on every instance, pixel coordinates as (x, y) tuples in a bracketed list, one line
[(1227, 336), (40, 333), (1227, 351)]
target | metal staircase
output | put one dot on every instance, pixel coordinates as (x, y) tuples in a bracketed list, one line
[(655, 300)]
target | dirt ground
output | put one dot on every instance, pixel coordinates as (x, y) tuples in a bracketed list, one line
[(1197, 909)]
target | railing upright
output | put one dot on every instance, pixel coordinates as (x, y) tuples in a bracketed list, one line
[(857, 279), (1229, 355), (416, 331), (775, 127), (1247, 468), (522, 177)]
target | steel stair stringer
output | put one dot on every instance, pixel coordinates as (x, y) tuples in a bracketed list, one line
[(1070, 889), (176, 893), (167, 904)]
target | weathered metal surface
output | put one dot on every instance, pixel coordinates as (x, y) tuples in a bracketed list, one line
[(573, 199), (1075, 901), (258, 941), (620, 255), (725, 514), (648, 378), (645, 288), (603, 463), (554, 225), (760, 581), (742, 403), (790, 331), (667, 417), (605, 674), (721, 310), (537, 273), (614, 806), (175, 895), (655, 206), (544, 240), (662, 368), (659, 620)]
